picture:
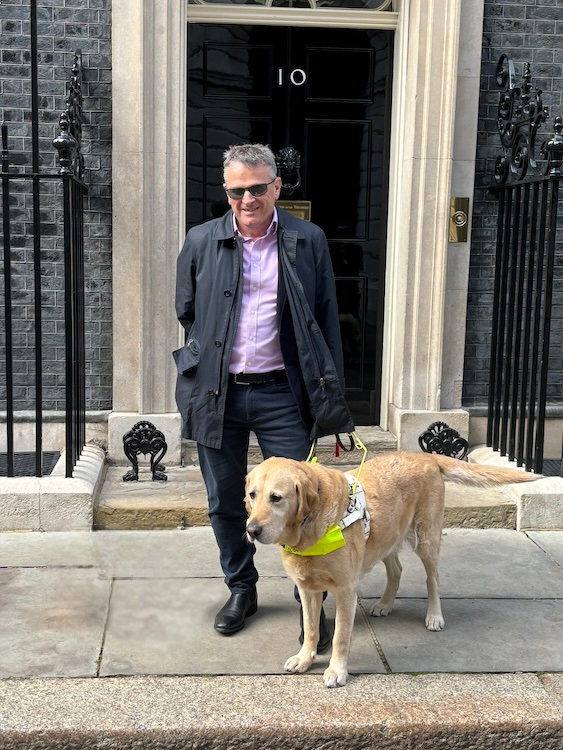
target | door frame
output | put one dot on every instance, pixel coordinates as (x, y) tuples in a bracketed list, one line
[(149, 46), (258, 15), (303, 17)]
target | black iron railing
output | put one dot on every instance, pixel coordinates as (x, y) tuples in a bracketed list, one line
[(71, 188), (528, 177)]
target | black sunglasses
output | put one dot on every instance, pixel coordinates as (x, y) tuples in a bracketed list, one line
[(255, 190)]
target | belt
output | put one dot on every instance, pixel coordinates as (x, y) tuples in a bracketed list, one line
[(258, 378)]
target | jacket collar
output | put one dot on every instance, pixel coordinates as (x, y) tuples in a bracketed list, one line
[(288, 227)]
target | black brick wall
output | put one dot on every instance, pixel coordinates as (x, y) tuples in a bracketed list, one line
[(63, 27), (528, 31)]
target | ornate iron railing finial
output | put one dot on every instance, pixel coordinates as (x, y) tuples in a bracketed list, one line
[(69, 140), (554, 148), (443, 439), (521, 114)]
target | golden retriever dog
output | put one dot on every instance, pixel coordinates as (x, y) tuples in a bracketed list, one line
[(294, 504)]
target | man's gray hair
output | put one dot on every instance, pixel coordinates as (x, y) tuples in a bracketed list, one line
[(252, 155)]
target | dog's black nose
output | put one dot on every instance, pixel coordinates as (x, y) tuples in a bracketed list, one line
[(254, 530)]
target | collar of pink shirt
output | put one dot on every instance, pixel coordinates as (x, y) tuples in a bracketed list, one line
[(272, 229)]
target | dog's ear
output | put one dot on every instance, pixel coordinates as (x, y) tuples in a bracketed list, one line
[(307, 493), (246, 496)]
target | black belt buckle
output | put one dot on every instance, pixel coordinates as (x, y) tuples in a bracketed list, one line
[(236, 379), (258, 378)]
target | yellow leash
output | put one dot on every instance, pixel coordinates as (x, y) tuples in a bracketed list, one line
[(361, 447), (356, 442), (311, 458)]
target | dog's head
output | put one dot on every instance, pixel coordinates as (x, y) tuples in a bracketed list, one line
[(281, 495)]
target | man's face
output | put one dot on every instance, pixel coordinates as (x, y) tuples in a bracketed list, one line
[(253, 213)]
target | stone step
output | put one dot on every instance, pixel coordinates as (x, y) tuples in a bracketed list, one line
[(181, 502), (375, 440)]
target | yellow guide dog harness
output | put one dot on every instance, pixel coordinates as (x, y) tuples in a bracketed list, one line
[(333, 539)]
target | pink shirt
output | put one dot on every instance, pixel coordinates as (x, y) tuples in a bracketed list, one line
[(257, 344)]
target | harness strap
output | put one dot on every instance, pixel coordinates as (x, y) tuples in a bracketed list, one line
[(357, 507)]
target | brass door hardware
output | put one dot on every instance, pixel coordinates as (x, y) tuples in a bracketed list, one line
[(459, 219)]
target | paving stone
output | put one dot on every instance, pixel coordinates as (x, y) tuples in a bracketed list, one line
[(481, 635), (478, 563), (172, 631), (51, 622), (551, 542), (49, 549), (171, 553)]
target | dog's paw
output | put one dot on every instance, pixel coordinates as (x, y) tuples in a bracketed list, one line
[(381, 609), (299, 663), (434, 622), (335, 677)]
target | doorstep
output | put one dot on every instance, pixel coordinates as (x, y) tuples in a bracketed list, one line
[(181, 502)]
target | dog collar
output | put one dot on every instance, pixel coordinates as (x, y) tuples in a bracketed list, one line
[(333, 539)]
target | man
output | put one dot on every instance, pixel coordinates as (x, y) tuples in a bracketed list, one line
[(240, 369)]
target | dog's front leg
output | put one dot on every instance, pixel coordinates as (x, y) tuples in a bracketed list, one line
[(336, 674), (311, 601)]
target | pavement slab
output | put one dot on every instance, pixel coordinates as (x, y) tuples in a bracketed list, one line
[(481, 635), (170, 553), (171, 631), (51, 622), (551, 542), (479, 563), (47, 549)]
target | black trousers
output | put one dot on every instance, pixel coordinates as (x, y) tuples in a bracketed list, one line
[(270, 411)]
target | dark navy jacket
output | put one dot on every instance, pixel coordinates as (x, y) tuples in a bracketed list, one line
[(208, 303)]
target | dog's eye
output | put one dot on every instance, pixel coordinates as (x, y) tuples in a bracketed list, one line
[(275, 498), (252, 495)]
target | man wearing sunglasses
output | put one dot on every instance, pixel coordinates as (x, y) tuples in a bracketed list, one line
[(241, 369)]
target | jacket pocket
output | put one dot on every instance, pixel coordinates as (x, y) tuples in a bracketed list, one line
[(187, 358)]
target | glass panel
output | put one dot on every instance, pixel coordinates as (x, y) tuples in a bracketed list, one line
[(369, 4)]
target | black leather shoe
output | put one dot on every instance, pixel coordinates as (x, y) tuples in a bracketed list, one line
[(325, 639), (231, 617)]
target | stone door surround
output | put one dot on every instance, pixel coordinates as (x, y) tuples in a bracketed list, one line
[(149, 103)]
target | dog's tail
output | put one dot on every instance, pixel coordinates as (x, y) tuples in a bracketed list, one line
[(480, 475)]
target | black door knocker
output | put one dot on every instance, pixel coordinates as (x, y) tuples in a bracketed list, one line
[(288, 161)]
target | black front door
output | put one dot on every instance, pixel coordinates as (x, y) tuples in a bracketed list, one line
[(326, 92)]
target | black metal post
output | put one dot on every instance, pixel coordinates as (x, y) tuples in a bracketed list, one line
[(492, 435), (36, 245), (536, 334), (518, 366), (550, 264), (69, 331), (508, 360), (7, 304), (525, 404)]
